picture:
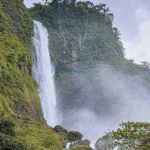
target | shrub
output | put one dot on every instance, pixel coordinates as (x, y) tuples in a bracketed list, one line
[(7, 126)]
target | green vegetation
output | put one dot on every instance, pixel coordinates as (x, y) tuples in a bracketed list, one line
[(79, 33), (82, 35), (18, 92), (18, 133), (131, 136), (81, 148), (22, 126), (14, 20), (74, 136)]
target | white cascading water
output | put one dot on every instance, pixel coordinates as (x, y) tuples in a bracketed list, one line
[(43, 73)]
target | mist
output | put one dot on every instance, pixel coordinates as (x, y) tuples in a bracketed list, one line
[(105, 97)]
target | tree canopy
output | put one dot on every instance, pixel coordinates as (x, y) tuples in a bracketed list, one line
[(84, 7), (131, 136)]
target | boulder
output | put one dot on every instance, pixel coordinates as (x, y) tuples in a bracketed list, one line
[(74, 136), (60, 129)]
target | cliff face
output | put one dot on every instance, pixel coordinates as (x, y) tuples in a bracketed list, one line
[(89, 59), (78, 38)]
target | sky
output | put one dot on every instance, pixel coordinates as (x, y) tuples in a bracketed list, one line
[(132, 17)]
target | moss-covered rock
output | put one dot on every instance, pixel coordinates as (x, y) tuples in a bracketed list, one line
[(74, 136), (60, 129)]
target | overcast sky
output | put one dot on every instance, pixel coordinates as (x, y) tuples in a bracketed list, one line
[(132, 17)]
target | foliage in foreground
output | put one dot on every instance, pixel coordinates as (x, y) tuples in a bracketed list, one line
[(131, 136), (81, 148)]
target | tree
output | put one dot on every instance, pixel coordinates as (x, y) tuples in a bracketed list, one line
[(46, 2), (116, 32), (56, 2), (145, 65), (81, 6), (89, 4), (73, 2), (131, 136), (37, 6), (100, 8)]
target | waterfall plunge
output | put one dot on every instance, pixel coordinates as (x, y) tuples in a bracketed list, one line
[(43, 73)]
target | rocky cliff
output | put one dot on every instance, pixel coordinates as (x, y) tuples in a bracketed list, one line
[(89, 59)]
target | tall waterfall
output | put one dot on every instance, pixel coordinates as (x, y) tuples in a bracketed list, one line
[(43, 73)]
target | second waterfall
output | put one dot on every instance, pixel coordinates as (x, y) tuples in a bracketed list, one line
[(43, 73)]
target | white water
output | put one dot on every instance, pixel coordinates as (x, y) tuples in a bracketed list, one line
[(68, 145), (43, 73)]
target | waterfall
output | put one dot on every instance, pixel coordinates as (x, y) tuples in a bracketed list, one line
[(43, 73)]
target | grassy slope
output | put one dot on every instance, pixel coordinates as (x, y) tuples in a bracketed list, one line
[(21, 121)]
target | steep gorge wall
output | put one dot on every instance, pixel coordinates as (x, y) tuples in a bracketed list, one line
[(91, 69), (79, 40), (77, 37)]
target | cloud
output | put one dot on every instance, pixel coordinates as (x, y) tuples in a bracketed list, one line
[(29, 3), (142, 13), (139, 49)]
